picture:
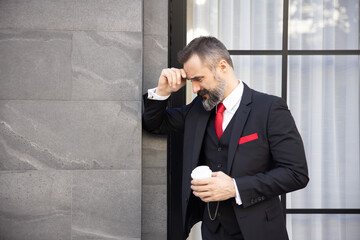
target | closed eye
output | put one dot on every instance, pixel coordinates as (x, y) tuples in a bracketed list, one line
[(197, 79)]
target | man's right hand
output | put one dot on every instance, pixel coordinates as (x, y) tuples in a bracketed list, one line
[(171, 80)]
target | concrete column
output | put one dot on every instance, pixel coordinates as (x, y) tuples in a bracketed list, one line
[(154, 157)]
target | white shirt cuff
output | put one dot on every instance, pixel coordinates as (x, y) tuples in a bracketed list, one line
[(153, 96), (237, 198)]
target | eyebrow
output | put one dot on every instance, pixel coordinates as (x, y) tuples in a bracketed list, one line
[(197, 78)]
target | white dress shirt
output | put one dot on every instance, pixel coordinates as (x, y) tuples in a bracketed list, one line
[(231, 103)]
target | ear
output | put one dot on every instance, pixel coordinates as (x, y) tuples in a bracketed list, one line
[(223, 66)]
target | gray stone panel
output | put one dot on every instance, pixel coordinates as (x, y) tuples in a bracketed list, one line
[(154, 176), (154, 211), (35, 205), (35, 65), (107, 66), (155, 59), (96, 15), (154, 159), (154, 235), (70, 120), (156, 17), (106, 205), (154, 149), (64, 65), (154, 196), (69, 135)]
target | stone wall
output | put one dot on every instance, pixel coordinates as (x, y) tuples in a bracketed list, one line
[(154, 158), (70, 120)]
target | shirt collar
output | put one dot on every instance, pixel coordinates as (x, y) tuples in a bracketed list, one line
[(232, 101)]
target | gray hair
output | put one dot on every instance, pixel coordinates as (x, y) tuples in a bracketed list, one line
[(209, 49)]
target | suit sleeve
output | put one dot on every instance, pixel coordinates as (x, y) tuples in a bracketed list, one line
[(159, 119), (289, 168)]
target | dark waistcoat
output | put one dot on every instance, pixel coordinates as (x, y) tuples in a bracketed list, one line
[(214, 154)]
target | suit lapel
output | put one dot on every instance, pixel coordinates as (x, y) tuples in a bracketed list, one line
[(241, 117), (200, 129), (193, 142)]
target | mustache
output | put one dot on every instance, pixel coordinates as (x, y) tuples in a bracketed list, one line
[(203, 92)]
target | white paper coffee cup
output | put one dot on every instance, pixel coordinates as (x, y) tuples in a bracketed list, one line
[(201, 172)]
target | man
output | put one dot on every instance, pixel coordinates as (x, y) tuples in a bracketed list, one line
[(248, 139)]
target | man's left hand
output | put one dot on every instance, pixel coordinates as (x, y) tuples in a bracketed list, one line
[(219, 187)]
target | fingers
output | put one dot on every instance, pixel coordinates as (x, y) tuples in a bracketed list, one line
[(203, 188), (177, 75), (206, 196), (208, 199), (203, 181), (202, 193), (183, 74), (171, 80), (173, 76), (217, 188), (217, 174)]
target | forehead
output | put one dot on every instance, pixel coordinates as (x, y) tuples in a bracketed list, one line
[(194, 66)]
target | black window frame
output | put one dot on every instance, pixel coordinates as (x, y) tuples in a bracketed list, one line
[(177, 40)]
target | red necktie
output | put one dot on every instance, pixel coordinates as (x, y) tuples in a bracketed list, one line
[(219, 119)]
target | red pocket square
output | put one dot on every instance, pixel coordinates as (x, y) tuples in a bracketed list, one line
[(248, 138)]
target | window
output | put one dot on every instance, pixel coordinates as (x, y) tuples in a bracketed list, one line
[(306, 52)]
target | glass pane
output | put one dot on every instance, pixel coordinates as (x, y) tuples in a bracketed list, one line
[(323, 226), (239, 24), (262, 73), (323, 95), (324, 24)]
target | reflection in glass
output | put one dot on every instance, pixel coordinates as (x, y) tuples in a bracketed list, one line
[(239, 24), (323, 226), (324, 24), (323, 95)]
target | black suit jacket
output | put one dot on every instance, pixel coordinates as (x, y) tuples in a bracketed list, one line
[(272, 164)]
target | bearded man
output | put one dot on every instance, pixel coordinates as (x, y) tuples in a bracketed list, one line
[(247, 138)]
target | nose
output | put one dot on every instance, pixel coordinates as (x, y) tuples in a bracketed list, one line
[(195, 87)]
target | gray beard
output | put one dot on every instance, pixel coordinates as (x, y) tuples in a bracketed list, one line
[(215, 95)]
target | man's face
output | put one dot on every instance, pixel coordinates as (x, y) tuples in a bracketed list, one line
[(206, 83)]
